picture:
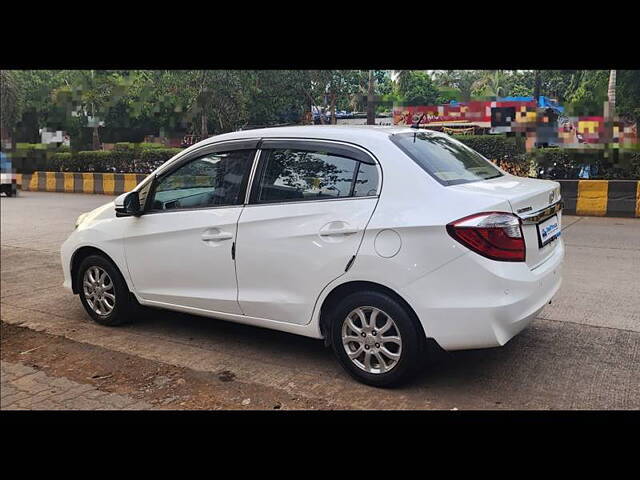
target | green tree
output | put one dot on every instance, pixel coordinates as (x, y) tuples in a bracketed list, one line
[(587, 92), (275, 96), (11, 97), (493, 83), (89, 95), (628, 95), (457, 84), (417, 88)]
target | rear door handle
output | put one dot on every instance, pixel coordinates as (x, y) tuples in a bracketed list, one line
[(216, 236)]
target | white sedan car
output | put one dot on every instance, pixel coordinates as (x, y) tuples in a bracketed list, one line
[(371, 238)]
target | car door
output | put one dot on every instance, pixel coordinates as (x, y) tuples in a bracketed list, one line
[(180, 251), (310, 203)]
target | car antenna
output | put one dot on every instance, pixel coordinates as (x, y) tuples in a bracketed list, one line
[(417, 124)]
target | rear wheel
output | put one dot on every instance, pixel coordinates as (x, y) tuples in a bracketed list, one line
[(375, 339), (103, 292)]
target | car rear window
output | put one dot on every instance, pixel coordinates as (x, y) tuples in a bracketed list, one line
[(447, 160)]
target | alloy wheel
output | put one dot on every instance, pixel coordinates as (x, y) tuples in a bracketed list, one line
[(371, 339), (98, 290)]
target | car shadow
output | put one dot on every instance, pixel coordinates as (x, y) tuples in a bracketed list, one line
[(438, 367)]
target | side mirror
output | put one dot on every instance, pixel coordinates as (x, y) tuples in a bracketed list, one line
[(128, 204)]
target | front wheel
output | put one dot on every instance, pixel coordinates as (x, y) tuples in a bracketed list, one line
[(103, 292), (376, 339)]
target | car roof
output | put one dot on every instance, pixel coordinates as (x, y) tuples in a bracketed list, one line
[(348, 133)]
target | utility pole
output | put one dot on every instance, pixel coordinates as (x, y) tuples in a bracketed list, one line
[(371, 108)]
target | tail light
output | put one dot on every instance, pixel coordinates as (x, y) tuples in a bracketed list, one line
[(495, 235)]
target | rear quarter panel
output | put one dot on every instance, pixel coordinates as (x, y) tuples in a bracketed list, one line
[(417, 208)]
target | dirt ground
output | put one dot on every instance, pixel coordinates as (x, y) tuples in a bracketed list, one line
[(581, 353), (162, 385)]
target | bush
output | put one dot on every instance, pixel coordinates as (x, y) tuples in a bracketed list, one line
[(137, 147), (565, 163), (124, 147), (494, 147), (60, 161), (507, 152), (25, 150), (126, 157), (150, 146), (29, 157), (123, 160), (153, 158)]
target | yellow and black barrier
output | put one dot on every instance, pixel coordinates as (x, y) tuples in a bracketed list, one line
[(72, 182), (601, 198)]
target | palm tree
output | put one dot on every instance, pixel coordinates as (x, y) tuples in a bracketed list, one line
[(496, 84), (491, 83), (447, 78), (402, 76), (610, 107), (466, 83), (612, 93)]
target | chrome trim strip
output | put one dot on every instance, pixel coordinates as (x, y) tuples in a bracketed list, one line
[(540, 215)]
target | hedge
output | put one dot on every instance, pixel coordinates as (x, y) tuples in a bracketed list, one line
[(494, 147), (566, 163), (510, 154), (122, 159), (119, 161), (26, 148), (507, 152)]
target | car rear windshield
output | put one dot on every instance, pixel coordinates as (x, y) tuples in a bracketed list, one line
[(447, 160)]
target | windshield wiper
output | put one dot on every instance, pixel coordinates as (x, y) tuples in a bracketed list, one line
[(494, 176)]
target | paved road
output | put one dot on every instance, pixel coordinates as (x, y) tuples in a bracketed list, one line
[(25, 388), (582, 352)]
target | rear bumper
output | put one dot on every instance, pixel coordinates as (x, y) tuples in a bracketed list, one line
[(473, 302)]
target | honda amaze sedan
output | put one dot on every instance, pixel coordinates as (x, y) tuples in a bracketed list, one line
[(371, 238)]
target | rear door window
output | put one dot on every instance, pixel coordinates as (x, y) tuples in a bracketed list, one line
[(366, 181), (294, 175), (447, 160)]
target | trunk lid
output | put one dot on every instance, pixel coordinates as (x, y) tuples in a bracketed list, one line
[(526, 196)]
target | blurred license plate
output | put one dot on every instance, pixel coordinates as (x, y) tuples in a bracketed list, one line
[(548, 230)]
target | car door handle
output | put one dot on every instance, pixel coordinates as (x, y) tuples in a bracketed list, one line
[(215, 237), (338, 231)]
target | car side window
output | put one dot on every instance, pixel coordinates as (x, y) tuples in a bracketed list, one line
[(366, 181), (212, 180), (291, 175)]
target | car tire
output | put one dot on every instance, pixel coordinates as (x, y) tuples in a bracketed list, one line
[(107, 299), (401, 357)]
